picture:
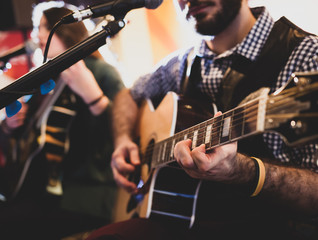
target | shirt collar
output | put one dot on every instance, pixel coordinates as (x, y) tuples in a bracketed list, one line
[(251, 45)]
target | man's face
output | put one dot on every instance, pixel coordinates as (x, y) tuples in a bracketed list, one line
[(210, 16)]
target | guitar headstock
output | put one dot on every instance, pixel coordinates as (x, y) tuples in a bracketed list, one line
[(293, 110)]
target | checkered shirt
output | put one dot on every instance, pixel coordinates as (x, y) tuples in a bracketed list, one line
[(167, 76)]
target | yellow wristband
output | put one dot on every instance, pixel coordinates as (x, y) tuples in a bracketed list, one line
[(261, 176)]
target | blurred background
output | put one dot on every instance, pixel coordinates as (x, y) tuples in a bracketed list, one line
[(148, 36)]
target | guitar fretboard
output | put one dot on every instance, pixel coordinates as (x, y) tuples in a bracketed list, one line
[(235, 124)]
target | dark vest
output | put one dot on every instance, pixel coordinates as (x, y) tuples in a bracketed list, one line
[(244, 77), (241, 79)]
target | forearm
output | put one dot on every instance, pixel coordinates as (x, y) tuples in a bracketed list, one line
[(293, 188), (125, 113), (289, 188)]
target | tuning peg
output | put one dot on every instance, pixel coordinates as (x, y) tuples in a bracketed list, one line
[(47, 87), (13, 108)]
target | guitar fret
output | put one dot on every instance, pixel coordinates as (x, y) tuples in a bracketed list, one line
[(172, 147), (169, 147), (195, 137), (217, 124), (177, 137), (190, 135), (226, 127), (226, 124), (159, 153), (185, 137), (250, 117), (209, 128), (237, 123), (201, 135), (181, 136), (155, 154), (231, 126), (220, 130), (208, 134), (163, 151)]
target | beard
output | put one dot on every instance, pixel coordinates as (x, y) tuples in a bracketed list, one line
[(215, 24)]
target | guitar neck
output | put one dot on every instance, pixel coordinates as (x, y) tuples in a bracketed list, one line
[(243, 121), (290, 111)]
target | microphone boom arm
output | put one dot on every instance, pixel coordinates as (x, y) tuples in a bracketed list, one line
[(33, 79)]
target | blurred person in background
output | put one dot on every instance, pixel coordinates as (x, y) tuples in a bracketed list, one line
[(69, 187)]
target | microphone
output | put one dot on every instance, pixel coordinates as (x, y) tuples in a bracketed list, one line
[(27, 48), (117, 8)]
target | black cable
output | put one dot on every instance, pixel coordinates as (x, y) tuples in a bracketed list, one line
[(49, 40)]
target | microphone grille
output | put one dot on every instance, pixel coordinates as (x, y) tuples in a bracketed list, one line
[(152, 4)]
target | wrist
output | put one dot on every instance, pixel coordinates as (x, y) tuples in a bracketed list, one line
[(121, 138), (95, 101), (247, 174), (259, 179), (99, 105)]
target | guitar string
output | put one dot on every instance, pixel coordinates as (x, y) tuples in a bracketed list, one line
[(215, 129), (271, 106), (219, 120)]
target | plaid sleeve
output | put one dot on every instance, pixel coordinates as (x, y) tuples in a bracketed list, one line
[(165, 77), (303, 59)]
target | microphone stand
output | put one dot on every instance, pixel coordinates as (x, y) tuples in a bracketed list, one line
[(33, 80)]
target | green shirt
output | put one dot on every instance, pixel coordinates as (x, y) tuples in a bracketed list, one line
[(88, 185)]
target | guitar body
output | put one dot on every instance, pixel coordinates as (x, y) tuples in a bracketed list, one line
[(167, 191), (18, 161), (43, 142)]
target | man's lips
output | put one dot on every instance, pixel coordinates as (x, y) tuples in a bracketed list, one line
[(197, 8)]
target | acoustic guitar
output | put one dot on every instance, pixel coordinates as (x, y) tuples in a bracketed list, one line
[(46, 132), (164, 189)]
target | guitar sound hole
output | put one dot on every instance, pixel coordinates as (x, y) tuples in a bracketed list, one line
[(147, 156)]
